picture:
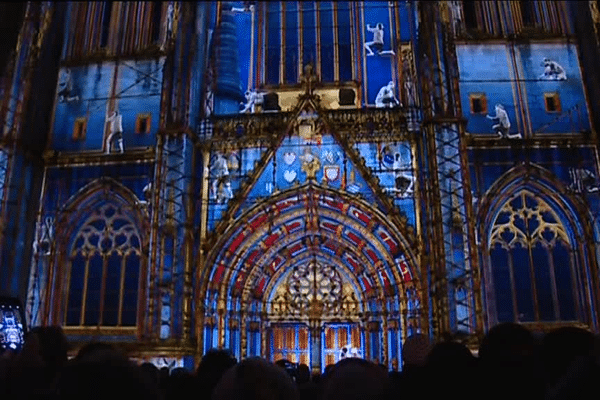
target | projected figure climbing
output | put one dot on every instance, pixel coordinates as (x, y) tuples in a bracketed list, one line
[(386, 97), (253, 98), (115, 138), (502, 128), (221, 184), (377, 42), (65, 94), (553, 71)]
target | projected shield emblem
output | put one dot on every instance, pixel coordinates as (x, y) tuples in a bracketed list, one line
[(332, 172)]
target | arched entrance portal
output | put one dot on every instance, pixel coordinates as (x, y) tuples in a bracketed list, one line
[(307, 273)]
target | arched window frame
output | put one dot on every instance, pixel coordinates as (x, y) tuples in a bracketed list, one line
[(572, 213), (110, 237), (72, 218)]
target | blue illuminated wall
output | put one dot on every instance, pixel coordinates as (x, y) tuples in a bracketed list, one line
[(391, 163), (337, 29), (513, 75), (89, 95)]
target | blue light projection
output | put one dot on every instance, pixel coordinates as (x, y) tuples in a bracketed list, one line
[(86, 93), (539, 86)]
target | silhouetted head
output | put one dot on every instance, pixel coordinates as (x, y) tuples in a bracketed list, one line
[(104, 373), (562, 346), (356, 379), (256, 379), (450, 357), (507, 345), (415, 350), (212, 367), (93, 347), (303, 375), (53, 345)]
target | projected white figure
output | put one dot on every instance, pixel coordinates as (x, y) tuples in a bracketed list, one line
[(503, 126), (386, 97), (248, 7), (115, 138), (553, 71), (221, 185), (65, 93), (349, 352), (377, 42), (253, 98)]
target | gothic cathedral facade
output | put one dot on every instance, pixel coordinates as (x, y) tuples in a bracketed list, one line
[(287, 179)]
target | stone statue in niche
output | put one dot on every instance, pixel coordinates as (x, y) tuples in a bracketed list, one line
[(502, 127), (65, 93), (377, 42), (386, 97), (221, 184), (553, 71), (253, 98), (114, 141)]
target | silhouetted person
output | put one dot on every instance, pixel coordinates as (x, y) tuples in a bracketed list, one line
[(306, 387), (210, 370), (508, 363), (413, 377), (150, 373), (180, 385), (256, 379), (102, 373), (448, 363), (34, 372), (356, 379), (570, 368)]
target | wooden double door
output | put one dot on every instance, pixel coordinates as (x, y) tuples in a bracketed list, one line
[(317, 348)]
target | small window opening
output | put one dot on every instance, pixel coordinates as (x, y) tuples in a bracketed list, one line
[(79, 129)]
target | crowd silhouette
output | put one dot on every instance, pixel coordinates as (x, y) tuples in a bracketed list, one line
[(511, 363)]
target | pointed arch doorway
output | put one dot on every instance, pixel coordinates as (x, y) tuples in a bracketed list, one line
[(306, 273)]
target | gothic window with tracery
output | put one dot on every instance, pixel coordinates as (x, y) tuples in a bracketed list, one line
[(104, 271), (534, 265)]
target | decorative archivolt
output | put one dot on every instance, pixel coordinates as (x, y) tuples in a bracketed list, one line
[(527, 219)]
